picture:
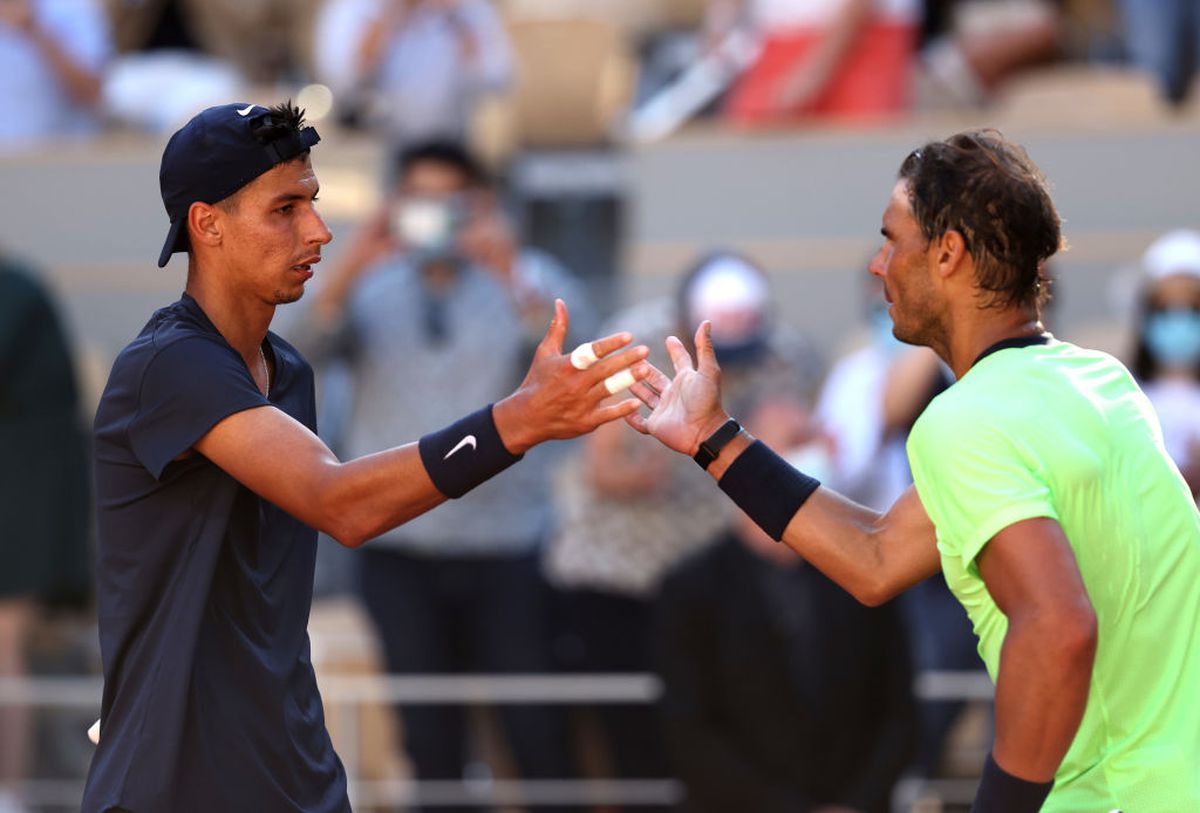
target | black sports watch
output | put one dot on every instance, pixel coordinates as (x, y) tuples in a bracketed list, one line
[(711, 446)]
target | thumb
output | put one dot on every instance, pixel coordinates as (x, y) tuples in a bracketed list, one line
[(706, 357), (552, 343)]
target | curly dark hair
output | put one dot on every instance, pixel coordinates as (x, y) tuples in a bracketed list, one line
[(988, 190)]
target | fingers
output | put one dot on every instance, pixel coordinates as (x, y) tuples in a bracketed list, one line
[(611, 365), (705, 354), (657, 379), (588, 353), (612, 412), (638, 422), (602, 347), (552, 342), (584, 356), (619, 381), (645, 393), (679, 355)]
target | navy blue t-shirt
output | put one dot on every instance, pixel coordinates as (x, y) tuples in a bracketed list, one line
[(210, 701)]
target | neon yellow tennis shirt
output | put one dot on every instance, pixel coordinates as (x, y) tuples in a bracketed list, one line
[(1058, 431)]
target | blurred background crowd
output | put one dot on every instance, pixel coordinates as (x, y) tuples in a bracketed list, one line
[(654, 163)]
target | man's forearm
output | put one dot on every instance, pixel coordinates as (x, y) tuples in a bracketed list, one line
[(872, 556), (81, 84), (372, 494), (1041, 692)]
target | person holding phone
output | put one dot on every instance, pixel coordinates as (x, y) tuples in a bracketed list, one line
[(435, 294)]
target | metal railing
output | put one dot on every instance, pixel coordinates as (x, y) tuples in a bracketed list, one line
[(345, 693)]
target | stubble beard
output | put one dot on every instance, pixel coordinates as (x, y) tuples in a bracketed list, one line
[(282, 297), (928, 330)]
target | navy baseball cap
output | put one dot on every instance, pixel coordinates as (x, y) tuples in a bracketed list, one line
[(217, 153)]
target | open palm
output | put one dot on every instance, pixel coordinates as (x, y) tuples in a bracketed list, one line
[(686, 409)]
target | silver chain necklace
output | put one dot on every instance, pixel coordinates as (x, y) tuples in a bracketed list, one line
[(266, 370)]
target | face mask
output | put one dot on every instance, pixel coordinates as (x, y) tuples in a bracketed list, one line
[(427, 226), (881, 330), (732, 354), (1173, 337), (812, 458)]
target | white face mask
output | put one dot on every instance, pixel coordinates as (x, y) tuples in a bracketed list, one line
[(425, 225), (812, 458)]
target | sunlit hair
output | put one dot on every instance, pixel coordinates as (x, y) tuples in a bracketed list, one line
[(987, 189), (279, 121)]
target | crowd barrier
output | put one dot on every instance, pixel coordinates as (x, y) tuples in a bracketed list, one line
[(343, 695)]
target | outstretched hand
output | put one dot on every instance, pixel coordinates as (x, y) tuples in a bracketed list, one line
[(687, 409), (556, 400)]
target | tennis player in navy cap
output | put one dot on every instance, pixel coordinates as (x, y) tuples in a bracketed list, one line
[(211, 484)]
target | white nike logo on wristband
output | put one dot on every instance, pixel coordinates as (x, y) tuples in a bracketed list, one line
[(469, 440)]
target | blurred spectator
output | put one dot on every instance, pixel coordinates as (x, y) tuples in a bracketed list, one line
[(870, 464), (412, 68), (181, 55), (782, 693), (1167, 356), (1163, 39), (435, 306), (971, 47), (43, 492), (52, 53), (869, 403), (628, 510), (845, 58), (265, 40)]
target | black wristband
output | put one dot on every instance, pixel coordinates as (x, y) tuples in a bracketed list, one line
[(767, 488), (1001, 792), (465, 453)]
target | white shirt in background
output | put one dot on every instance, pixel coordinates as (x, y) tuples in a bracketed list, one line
[(36, 105)]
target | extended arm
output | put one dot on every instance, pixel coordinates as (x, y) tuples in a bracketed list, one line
[(1046, 661), (873, 556), (80, 81), (280, 460)]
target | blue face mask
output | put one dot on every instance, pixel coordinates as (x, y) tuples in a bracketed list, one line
[(1173, 337), (881, 330)]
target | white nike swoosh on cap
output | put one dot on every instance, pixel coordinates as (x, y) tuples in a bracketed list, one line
[(245, 111), (469, 440)]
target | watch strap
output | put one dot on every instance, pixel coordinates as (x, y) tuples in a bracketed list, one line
[(711, 446)]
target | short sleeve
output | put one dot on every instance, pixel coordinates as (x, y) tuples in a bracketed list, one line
[(187, 388), (975, 477), (81, 27), (493, 62), (340, 28)]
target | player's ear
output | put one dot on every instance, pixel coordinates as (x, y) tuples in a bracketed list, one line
[(949, 250), (204, 224)]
